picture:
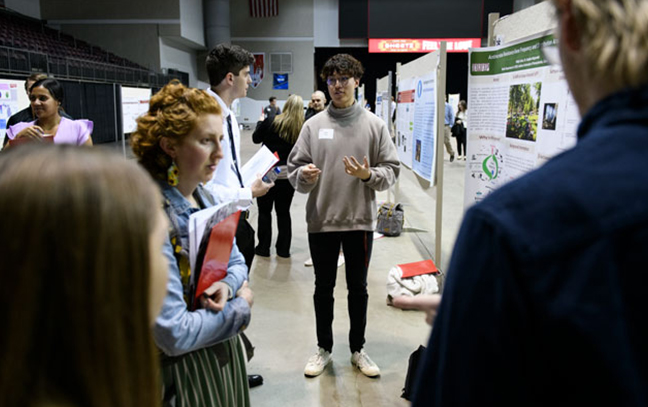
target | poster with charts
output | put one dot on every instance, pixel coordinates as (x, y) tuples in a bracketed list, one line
[(520, 114), (405, 120), (12, 100), (135, 102), (424, 129)]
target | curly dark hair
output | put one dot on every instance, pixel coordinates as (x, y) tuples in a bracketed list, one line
[(343, 64), (173, 113), (224, 59)]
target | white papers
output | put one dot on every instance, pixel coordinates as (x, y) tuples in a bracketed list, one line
[(260, 163), (198, 222)]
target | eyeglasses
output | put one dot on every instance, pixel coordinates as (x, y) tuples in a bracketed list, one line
[(331, 81)]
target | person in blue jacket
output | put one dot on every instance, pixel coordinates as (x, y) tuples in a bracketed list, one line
[(545, 301), (203, 362)]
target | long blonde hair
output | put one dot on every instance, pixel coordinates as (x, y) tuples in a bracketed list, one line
[(613, 34), (289, 123), (75, 276)]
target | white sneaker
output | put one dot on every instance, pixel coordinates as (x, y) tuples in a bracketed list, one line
[(317, 363), (362, 361), (340, 260), (460, 157)]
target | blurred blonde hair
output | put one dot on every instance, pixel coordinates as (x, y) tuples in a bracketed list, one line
[(75, 270), (614, 35), (289, 123)]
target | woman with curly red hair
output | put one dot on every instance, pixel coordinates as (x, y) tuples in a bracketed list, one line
[(178, 142)]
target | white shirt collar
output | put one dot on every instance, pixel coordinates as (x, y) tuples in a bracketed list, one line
[(224, 107)]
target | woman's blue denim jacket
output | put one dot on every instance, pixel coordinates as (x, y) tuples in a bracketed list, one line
[(177, 330)]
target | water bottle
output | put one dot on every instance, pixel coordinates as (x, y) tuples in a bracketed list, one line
[(272, 175)]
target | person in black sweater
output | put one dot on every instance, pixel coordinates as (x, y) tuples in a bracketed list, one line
[(278, 133)]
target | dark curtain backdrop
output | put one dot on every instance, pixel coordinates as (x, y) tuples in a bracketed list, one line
[(96, 102), (378, 65), (418, 18)]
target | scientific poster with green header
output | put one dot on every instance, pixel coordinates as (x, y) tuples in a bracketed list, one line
[(520, 114)]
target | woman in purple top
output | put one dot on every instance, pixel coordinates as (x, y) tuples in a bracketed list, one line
[(46, 97)]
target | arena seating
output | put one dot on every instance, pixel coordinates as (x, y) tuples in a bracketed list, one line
[(28, 45)]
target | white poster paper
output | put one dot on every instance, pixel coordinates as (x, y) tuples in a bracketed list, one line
[(520, 114), (405, 121), (135, 102), (424, 131)]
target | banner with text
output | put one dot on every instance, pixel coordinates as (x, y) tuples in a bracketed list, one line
[(421, 45), (520, 114)]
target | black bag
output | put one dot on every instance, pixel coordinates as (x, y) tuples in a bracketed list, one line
[(457, 129), (390, 219), (412, 368)]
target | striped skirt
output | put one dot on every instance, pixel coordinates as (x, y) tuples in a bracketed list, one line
[(209, 377)]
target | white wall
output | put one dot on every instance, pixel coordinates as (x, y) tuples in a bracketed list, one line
[(174, 56), (326, 26), (325, 23), (291, 31), (302, 79), (191, 21), (29, 8)]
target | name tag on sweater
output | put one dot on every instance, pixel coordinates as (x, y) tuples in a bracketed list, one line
[(326, 134)]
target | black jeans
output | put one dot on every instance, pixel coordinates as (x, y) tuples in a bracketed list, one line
[(325, 248), (245, 240), (461, 141), (281, 196)]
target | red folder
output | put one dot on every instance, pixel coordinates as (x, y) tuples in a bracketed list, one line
[(213, 255), (418, 268)]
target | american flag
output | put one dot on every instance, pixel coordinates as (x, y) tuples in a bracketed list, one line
[(264, 8)]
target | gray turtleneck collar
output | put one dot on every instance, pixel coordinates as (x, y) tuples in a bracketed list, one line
[(346, 116)]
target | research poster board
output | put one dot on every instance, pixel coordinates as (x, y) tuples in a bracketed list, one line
[(383, 99), (135, 102), (424, 129), (12, 100), (361, 95), (520, 114), (453, 99), (378, 104), (385, 108), (405, 120), (416, 115)]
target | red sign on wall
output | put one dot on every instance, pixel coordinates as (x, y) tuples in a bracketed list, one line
[(422, 44)]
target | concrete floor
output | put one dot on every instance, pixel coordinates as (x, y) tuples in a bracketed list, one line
[(283, 319)]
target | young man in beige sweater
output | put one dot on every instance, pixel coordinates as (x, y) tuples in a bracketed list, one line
[(343, 155)]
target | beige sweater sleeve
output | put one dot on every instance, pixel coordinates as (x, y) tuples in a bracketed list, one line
[(299, 157)]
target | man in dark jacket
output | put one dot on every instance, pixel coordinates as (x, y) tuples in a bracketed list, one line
[(272, 109), (316, 104), (545, 302)]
